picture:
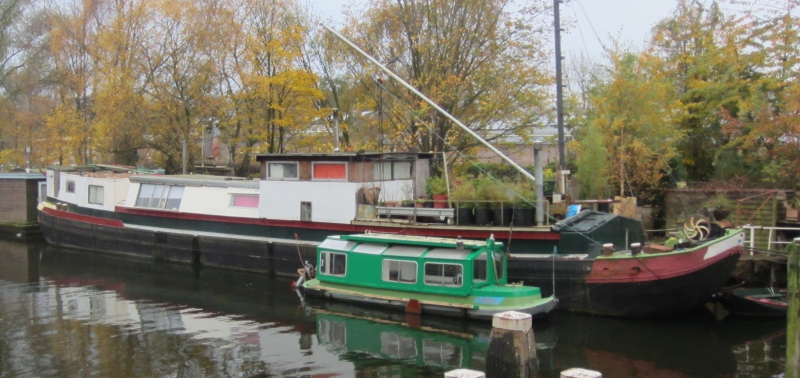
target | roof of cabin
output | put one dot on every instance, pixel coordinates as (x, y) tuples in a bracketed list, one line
[(21, 176), (423, 241), (345, 156), (103, 168), (198, 180)]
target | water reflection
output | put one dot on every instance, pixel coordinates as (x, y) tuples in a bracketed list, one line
[(79, 314)]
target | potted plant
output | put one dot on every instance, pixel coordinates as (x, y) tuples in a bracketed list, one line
[(719, 207), (420, 202), (464, 196), (436, 187), (523, 202), (485, 194)]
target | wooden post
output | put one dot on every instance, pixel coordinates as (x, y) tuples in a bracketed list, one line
[(580, 373), (464, 373), (512, 349), (793, 315)]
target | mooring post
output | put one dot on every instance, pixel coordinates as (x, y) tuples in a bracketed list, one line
[(512, 349), (793, 315), (464, 373), (580, 373)]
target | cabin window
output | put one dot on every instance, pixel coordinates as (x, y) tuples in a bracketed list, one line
[(400, 271), (498, 265), (282, 171), (443, 274), (391, 170), (330, 171), (175, 196), (244, 200), (96, 194), (398, 346), (160, 196), (70, 186), (334, 264), (441, 353), (480, 268)]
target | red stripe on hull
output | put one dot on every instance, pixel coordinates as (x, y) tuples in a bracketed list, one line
[(644, 269), (350, 228), (84, 218)]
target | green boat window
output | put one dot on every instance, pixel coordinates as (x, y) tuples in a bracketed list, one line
[(480, 268), (334, 264), (400, 271), (498, 265), (444, 274)]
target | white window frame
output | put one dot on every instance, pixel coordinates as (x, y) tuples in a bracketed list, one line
[(385, 273), (392, 164), (296, 164), (346, 170), (326, 264), (102, 197), (460, 284), (233, 200), (162, 201)]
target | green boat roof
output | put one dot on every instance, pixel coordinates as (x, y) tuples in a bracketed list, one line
[(414, 240)]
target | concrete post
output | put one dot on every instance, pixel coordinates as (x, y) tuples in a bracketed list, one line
[(580, 373), (512, 349), (464, 373), (793, 315)]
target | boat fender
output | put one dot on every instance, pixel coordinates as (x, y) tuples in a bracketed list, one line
[(300, 281)]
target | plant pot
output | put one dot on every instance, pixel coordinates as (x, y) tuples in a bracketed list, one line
[(440, 201), (464, 216), (483, 216), (502, 216), (523, 217), (429, 204), (419, 205), (720, 214)]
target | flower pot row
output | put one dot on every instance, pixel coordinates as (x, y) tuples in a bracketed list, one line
[(481, 216)]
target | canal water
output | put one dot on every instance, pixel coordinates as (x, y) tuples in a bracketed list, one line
[(65, 313)]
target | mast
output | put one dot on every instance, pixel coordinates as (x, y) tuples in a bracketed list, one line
[(559, 99), (431, 103)]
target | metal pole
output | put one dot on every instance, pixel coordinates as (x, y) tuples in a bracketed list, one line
[(430, 102), (335, 130), (537, 171), (446, 177), (183, 155), (559, 97)]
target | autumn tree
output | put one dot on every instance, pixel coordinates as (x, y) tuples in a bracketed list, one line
[(479, 60), (696, 50), (632, 113)]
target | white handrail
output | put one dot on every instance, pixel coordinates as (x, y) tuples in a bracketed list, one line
[(770, 239)]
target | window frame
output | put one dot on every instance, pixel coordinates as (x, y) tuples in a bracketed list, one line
[(392, 169), (326, 264), (460, 284), (346, 170), (297, 169), (90, 197), (233, 200), (162, 200), (386, 276)]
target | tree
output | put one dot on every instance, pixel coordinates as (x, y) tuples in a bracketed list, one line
[(479, 60), (696, 50), (633, 112)]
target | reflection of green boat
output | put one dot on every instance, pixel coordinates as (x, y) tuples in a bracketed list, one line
[(391, 340), (422, 274)]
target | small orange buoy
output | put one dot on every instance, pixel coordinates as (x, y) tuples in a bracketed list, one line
[(293, 285)]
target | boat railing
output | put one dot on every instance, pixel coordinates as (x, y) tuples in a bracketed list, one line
[(502, 212), (773, 241)]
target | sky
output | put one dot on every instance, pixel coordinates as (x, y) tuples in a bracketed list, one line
[(628, 20)]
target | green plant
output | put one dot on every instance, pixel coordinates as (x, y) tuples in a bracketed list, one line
[(464, 193), (719, 202), (525, 194), (435, 185)]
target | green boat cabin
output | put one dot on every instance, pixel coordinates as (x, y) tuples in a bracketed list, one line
[(415, 264)]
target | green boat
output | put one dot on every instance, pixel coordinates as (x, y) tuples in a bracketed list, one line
[(453, 277)]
